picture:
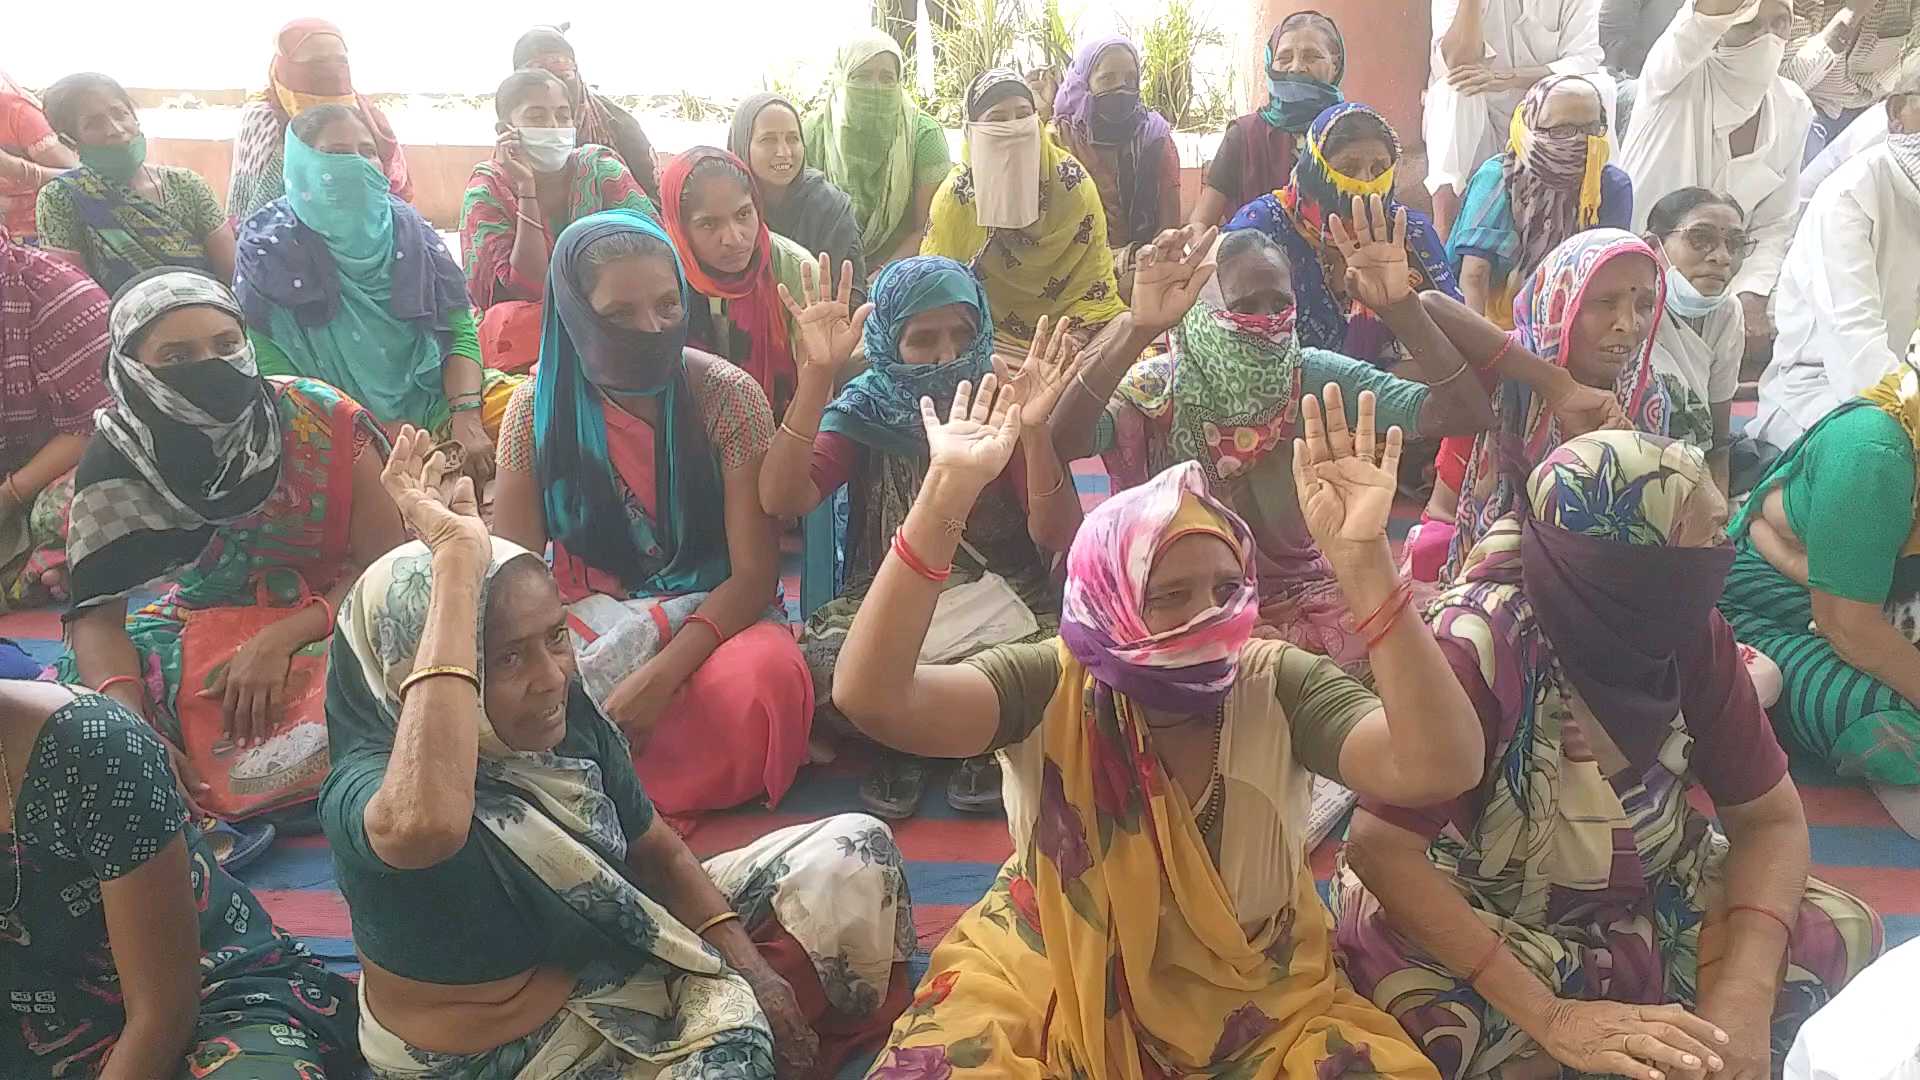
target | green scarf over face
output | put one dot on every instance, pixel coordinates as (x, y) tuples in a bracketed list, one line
[(863, 139)]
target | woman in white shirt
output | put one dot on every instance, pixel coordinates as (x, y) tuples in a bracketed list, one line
[(1702, 239)]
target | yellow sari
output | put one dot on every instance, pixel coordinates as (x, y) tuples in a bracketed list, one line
[(1059, 266), (1110, 947)]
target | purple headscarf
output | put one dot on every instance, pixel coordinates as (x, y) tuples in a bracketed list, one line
[(1073, 105)]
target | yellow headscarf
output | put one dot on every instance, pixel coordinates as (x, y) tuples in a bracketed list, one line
[(1898, 395)]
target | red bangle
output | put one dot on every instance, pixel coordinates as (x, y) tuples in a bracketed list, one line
[(1486, 961), (1505, 348), (1784, 925), (326, 607), (701, 620), (116, 680), (1404, 590), (1380, 635), (915, 563)]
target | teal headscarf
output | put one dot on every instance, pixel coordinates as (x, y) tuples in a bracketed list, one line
[(880, 407), (390, 365), (590, 507)]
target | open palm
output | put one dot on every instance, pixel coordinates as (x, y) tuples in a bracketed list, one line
[(979, 434), (1375, 250), (825, 326), (435, 499), (1168, 275), (1344, 496), (1043, 378)]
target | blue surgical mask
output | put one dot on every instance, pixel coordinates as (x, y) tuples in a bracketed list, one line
[(1689, 302)]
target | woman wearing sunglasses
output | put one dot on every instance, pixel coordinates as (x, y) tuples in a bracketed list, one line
[(1702, 240)]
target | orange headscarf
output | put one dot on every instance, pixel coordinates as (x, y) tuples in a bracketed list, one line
[(294, 86)]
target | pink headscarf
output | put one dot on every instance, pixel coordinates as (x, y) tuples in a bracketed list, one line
[(1187, 669)]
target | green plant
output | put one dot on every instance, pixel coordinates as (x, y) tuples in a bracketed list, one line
[(973, 37), (1049, 36), (1167, 50)]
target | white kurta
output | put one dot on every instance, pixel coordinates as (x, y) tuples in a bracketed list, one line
[(1701, 368), (1867, 131), (1866, 1032), (1849, 296), (1683, 119), (1461, 132)]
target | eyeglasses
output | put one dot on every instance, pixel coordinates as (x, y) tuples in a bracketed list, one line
[(1569, 131), (1705, 238)]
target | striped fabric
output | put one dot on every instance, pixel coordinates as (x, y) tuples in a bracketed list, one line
[(53, 339)]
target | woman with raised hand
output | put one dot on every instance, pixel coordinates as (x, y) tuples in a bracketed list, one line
[(1158, 916), (474, 775), (639, 458), (930, 329)]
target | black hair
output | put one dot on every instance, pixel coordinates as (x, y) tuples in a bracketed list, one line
[(1242, 243), (713, 165), (308, 125), (62, 100), (1670, 211), (618, 247), (541, 39), (515, 88)]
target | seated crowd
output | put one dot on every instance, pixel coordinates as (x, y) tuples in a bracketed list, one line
[(473, 564)]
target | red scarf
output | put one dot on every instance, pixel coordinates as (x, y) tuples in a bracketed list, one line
[(753, 300), (312, 78)]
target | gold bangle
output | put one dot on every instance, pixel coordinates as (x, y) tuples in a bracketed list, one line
[(437, 670), (807, 439), (725, 916), (1080, 377), (1055, 489), (1462, 371)]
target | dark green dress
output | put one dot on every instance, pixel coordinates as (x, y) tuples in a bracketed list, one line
[(98, 801)]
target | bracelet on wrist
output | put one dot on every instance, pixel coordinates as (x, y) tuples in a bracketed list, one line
[(465, 406), (905, 553)]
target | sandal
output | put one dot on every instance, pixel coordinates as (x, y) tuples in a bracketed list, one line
[(974, 787), (892, 790), (233, 848)]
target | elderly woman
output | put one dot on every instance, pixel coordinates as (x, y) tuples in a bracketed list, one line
[(639, 459), (309, 70), (1126, 147), (1158, 917), (735, 266), (1702, 239), (342, 281), (1574, 911), (875, 145), (931, 328), (1306, 59), (536, 184), (53, 336), (116, 215), (597, 119), (1351, 152), (801, 204), (1552, 181), (240, 492), (140, 957), (474, 774), (1820, 546), (1019, 212)]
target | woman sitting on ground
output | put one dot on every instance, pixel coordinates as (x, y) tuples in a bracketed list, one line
[(1126, 147), (597, 120), (1351, 152), (931, 328), (236, 489), (875, 145), (309, 70), (472, 773), (735, 266), (535, 185), (1702, 239), (1575, 913), (116, 216), (639, 458), (1306, 60), (1552, 181), (800, 202), (1018, 211), (1158, 916), (53, 337), (141, 957), (343, 282), (1822, 547)]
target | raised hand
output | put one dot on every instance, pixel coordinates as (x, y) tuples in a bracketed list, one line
[(1043, 378), (979, 434), (436, 500), (1344, 495), (825, 330), (1168, 275), (1375, 250)]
